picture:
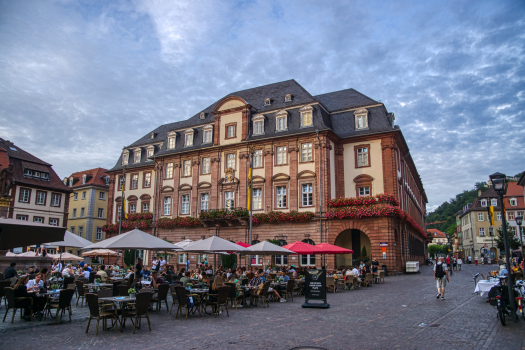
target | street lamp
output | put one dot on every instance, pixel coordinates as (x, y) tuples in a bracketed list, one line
[(519, 221), (499, 184)]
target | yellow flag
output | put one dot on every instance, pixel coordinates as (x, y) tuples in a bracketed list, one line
[(123, 203), (249, 189), (491, 215)]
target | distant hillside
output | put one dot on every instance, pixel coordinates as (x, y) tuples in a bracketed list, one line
[(447, 211)]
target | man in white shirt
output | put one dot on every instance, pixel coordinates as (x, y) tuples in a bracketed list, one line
[(67, 271), (162, 264), (154, 263), (36, 284)]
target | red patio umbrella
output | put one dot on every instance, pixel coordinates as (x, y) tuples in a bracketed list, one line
[(302, 248), (333, 249), (244, 245)]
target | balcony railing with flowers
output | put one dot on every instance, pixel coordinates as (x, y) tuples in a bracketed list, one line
[(140, 220)]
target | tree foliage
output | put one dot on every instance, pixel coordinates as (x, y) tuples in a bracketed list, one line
[(129, 257), (435, 249), (228, 260), (363, 252), (514, 241)]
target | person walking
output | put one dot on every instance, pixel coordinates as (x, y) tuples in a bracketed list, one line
[(460, 262), (441, 278)]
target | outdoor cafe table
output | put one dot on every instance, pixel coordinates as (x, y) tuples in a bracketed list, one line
[(98, 286), (485, 286), (122, 302), (201, 294)]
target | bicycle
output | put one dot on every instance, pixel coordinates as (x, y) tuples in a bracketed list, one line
[(519, 289), (499, 298)]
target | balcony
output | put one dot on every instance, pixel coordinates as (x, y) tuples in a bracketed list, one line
[(225, 218)]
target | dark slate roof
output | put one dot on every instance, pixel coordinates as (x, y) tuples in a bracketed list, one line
[(341, 123), (14, 151), (344, 99)]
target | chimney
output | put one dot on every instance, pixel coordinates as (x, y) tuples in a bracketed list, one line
[(479, 193)]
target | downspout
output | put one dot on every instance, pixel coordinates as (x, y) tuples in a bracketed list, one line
[(320, 192)]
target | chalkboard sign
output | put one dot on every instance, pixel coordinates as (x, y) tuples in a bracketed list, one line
[(315, 289)]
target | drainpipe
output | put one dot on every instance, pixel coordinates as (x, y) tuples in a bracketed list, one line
[(320, 192)]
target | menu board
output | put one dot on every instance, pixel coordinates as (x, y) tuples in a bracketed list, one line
[(315, 289)]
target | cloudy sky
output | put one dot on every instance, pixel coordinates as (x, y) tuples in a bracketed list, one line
[(81, 79)]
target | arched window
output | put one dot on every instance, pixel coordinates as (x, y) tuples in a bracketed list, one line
[(309, 241)]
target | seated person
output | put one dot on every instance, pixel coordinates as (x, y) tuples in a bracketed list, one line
[(130, 272), (503, 271), (85, 272), (103, 275), (186, 279), (44, 275), (36, 284), (33, 270), (214, 288), (68, 271), (256, 281), (206, 281), (115, 268), (182, 272), (146, 272), (156, 279), (21, 292), (10, 272)]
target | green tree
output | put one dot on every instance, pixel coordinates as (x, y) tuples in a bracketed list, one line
[(129, 257), (434, 249), (363, 252), (514, 242), (275, 241), (228, 261)]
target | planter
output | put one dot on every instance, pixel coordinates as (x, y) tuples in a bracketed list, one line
[(132, 295)]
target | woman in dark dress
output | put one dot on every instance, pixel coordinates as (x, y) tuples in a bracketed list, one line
[(138, 269), (21, 292), (214, 288)]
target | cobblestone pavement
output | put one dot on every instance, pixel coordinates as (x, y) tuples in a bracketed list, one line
[(385, 316)]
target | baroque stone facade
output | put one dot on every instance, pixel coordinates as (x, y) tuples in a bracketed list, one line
[(308, 150)]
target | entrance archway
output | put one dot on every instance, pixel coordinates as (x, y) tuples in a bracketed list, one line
[(355, 240), (494, 254)]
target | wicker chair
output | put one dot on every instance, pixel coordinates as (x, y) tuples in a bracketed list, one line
[(330, 282), (131, 279), (262, 295), (350, 282), (92, 277), (3, 285), (162, 295), (173, 295), (95, 312), (180, 292), (381, 276), (14, 303), (81, 292), (369, 279), (63, 303), (141, 311), (232, 296), (222, 300), (289, 289), (67, 281)]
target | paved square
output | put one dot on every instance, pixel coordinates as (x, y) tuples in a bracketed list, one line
[(384, 316)]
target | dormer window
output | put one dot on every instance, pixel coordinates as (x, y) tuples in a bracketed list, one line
[(188, 138), (494, 202), (207, 134), (172, 137), (267, 102), (288, 98), (71, 181), (483, 202), (306, 116), (151, 150), (28, 172), (125, 157), (258, 124), (513, 202), (361, 119), (152, 135), (281, 121), (202, 115), (65, 181), (84, 179), (137, 156), (107, 180)]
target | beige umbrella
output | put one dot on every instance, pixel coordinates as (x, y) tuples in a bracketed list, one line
[(71, 240), (66, 256), (20, 255), (100, 252)]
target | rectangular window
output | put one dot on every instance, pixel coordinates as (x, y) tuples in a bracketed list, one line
[(281, 155), (494, 202), (511, 215), (145, 207), (207, 136), (491, 232), (100, 212), (53, 222), (306, 119), (40, 198), (205, 169), (169, 170), (147, 179), (308, 260), (75, 196), (513, 202), (38, 219), (230, 131), (483, 202), (83, 194), (186, 168), (257, 198), (258, 127), (281, 197), (121, 182), (81, 231), (362, 157), (132, 208), (498, 216), (181, 259), (280, 124), (55, 200), (102, 195), (482, 232), (150, 152), (82, 212), (205, 201), (72, 229), (185, 204), (171, 142), (281, 260), (230, 161), (188, 139), (74, 212), (125, 157), (24, 195), (167, 205), (306, 152), (22, 217), (229, 200), (134, 181), (258, 159), (98, 236), (364, 191), (480, 217), (137, 157), (361, 122), (307, 191)]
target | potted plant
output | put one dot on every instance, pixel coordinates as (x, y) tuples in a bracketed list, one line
[(97, 280), (301, 276), (20, 272), (189, 285), (54, 287), (132, 292)]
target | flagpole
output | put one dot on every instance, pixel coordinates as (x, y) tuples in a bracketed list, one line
[(122, 205), (251, 150)]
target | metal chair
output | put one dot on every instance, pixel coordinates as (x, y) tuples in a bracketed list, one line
[(3, 285), (262, 295), (162, 295), (289, 289), (64, 303), (80, 292), (369, 279), (95, 312), (14, 303), (330, 282)]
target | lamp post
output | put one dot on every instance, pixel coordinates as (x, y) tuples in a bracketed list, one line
[(519, 221), (499, 183), (251, 151)]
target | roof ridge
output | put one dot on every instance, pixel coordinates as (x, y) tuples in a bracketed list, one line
[(261, 86), (360, 93)]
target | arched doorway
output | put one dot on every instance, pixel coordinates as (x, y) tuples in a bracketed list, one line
[(355, 240), (494, 254)]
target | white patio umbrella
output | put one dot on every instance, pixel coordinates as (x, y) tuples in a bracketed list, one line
[(71, 240), (66, 256), (270, 249), (20, 255), (215, 244), (185, 243)]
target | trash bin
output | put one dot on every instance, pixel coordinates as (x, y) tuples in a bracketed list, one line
[(384, 268)]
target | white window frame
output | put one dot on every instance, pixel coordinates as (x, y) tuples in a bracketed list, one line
[(81, 231), (365, 191), (258, 124), (145, 207), (258, 159), (229, 200), (185, 204), (230, 161), (188, 138), (498, 216), (125, 159), (181, 259), (84, 193), (38, 219), (150, 152), (484, 203), (307, 197), (74, 214), (134, 181), (24, 195), (98, 234), (288, 98), (72, 229), (53, 222), (307, 152), (169, 170), (494, 202), (281, 200), (206, 165), (100, 213), (102, 195), (491, 232), (172, 140), (257, 198), (511, 215), (55, 199), (482, 232), (362, 157), (281, 260), (513, 202), (361, 119), (84, 179), (267, 101), (137, 155), (132, 208), (205, 202), (310, 259), (82, 212), (147, 180), (281, 155), (230, 131), (186, 168), (207, 134), (40, 197), (481, 217), (167, 206), (307, 117)]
